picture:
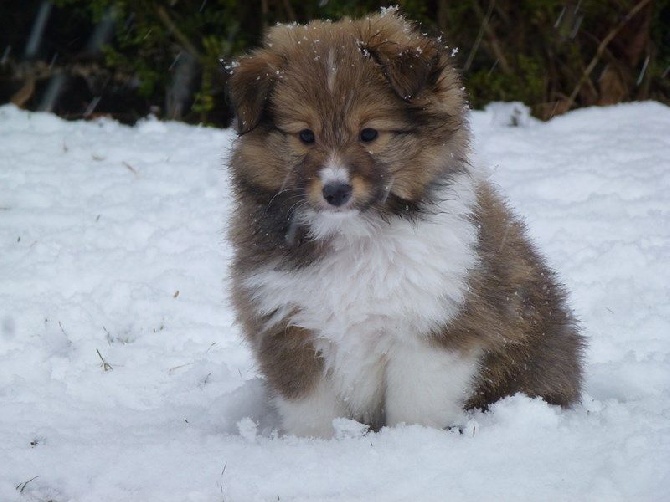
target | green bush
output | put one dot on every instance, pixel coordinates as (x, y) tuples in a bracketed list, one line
[(550, 54)]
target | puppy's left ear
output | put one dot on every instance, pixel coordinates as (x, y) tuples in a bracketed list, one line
[(250, 86), (408, 69)]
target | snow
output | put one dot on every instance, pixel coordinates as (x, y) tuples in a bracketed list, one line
[(123, 378)]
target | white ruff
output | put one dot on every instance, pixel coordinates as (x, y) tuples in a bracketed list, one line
[(373, 298)]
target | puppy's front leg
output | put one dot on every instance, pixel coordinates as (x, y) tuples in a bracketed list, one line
[(427, 385), (305, 398), (312, 415)]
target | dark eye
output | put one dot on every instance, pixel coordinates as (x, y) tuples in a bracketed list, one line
[(306, 136), (368, 134)]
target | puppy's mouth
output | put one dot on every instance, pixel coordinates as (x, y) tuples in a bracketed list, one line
[(330, 222), (341, 201), (335, 207), (336, 201)]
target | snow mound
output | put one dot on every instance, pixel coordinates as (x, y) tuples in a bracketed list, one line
[(122, 376)]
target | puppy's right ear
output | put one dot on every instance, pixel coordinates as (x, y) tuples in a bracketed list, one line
[(250, 85)]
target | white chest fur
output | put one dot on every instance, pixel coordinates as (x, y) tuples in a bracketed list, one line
[(371, 301)]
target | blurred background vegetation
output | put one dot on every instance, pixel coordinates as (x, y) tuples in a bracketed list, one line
[(126, 59)]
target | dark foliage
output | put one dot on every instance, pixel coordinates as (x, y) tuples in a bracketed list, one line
[(127, 59)]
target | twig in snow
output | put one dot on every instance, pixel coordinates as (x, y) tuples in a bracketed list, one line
[(110, 338), (130, 168), (22, 486), (175, 368), (104, 365), (37, 441), (220, 483), (205, 380)]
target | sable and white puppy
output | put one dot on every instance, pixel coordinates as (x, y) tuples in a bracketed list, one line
[(376, 276)]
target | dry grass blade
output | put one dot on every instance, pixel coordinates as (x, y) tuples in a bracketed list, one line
[(22, 486), (130, 168), (104, 365)]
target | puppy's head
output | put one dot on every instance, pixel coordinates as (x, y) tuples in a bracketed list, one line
[(357, 120)]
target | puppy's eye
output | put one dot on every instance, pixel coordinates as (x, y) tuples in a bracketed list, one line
[(368, 134), (306, 136)]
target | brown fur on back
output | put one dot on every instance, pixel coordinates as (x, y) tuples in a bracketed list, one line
[(516, 312)]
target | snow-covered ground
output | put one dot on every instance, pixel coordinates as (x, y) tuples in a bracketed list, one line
[(123, 378)]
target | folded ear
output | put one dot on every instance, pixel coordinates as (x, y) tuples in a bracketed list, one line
[(408, 69), (409, 60), (249, 87)]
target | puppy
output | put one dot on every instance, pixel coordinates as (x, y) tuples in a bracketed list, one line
[(377, 275)]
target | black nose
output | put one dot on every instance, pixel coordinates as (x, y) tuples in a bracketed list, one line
[(337, 193)]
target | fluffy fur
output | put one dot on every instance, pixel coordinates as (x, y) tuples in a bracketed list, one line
[(376, 275)]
